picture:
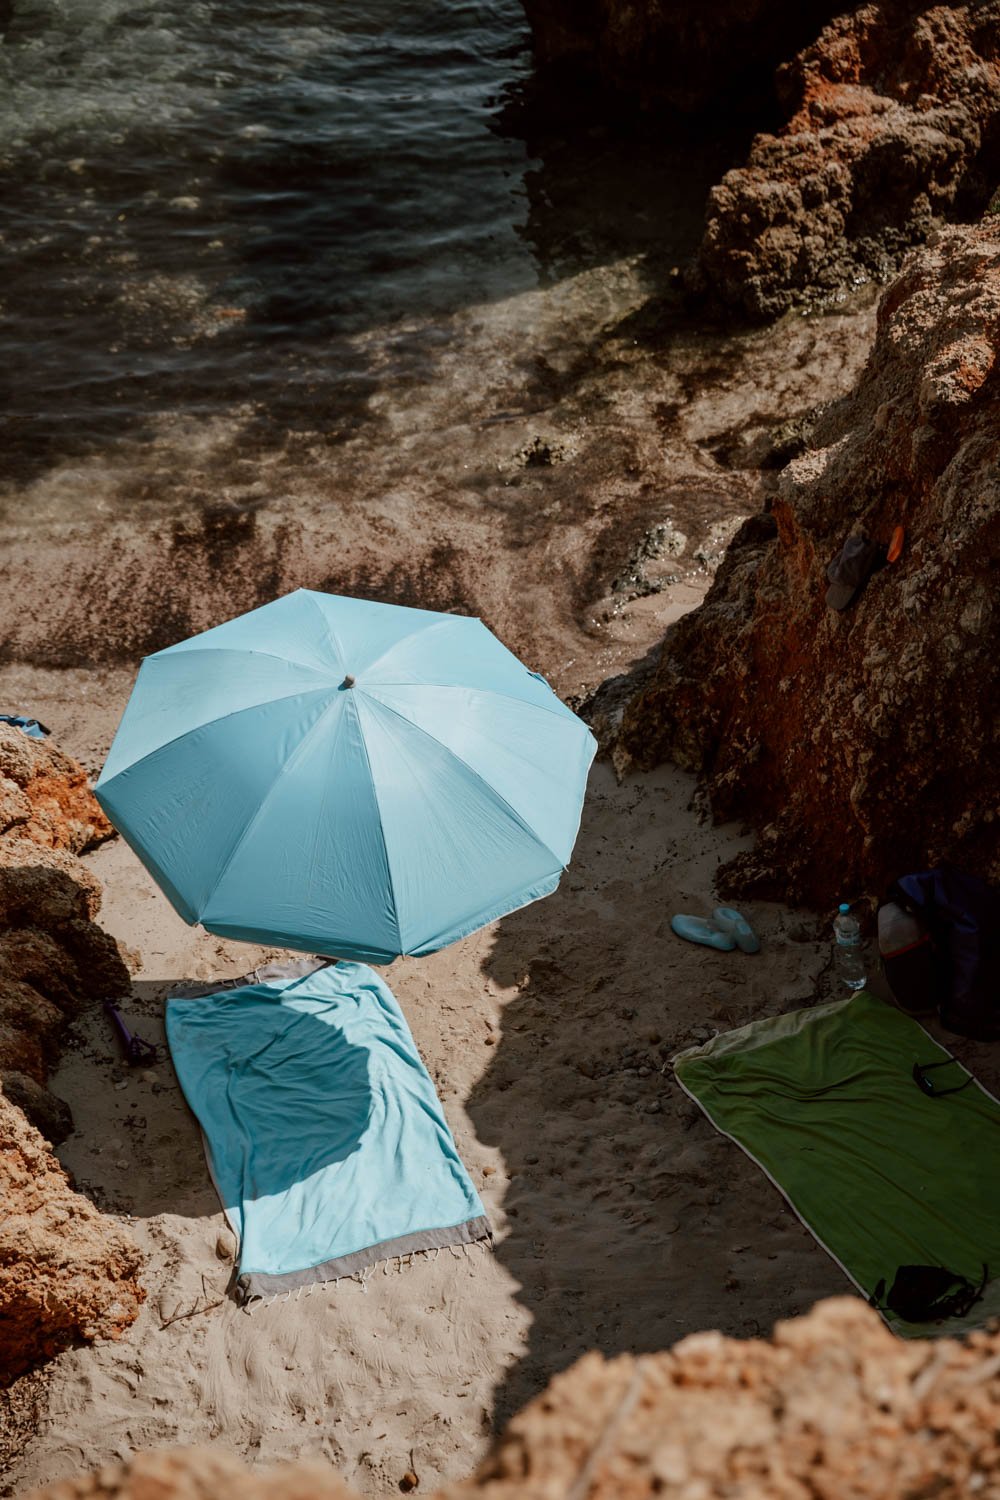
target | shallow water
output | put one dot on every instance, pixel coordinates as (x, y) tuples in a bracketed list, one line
[(205, 206), (318, 298), (202, 200)]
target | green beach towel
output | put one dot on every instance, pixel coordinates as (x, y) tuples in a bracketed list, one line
[(883, 1174)]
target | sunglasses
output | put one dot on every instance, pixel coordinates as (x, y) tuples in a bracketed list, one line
[(928, 1086)]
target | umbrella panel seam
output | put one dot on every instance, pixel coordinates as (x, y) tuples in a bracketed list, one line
[(495, 915), (381, 825), (372, 688), (285, 765), (330, 631), (221, 719), (186, 648), (421, 631), (521, 822)]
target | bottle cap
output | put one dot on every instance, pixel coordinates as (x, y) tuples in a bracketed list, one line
[(844, 906)]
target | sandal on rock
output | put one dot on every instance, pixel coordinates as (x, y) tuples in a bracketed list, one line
[(698, 930), (736, 926)]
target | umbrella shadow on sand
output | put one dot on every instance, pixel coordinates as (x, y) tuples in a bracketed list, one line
[(630, 1221), (169, 1173)]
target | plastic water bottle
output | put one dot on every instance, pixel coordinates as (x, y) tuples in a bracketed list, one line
[(848, 954)]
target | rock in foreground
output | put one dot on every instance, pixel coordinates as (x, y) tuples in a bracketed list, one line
[(893, 123), (866, 743), (67, 1273), (833, 1406), (53, 956)]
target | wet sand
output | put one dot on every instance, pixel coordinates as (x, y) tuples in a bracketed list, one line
[(515, 476)]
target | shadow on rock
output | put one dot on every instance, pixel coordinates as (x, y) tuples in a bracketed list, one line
[(54, 962)]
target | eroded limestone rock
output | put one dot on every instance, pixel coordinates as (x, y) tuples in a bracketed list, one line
[(893, 122), (53, 956), (833, 1408), (67, 1273), (864, 744), (202, 1474), (45, 795)]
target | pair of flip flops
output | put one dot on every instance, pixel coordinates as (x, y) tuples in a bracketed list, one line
[(728, 929)]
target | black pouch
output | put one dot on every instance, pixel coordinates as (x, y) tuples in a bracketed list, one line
[(925, 1294)]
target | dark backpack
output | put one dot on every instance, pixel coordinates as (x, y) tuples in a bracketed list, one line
[(916, 971), (952, 961)]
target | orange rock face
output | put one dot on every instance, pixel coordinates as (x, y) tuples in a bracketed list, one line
[(66, 1272), (202, 1474), (45, 795), (833, 1408), (861, 744), (893, 122), (53, 956)]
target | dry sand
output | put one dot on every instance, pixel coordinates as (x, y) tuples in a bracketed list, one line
[(623, 1221)]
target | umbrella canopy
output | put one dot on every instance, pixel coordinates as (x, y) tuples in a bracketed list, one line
[(346, 777)]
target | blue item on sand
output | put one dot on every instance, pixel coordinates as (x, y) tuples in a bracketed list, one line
[(348, 778), (31, 727), (727, 919), (324, 1135), (698, 930), (961, 915)]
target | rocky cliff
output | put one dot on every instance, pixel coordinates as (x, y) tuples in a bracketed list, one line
[(45, 795), (53, 956), (865, 743), (892, 123), (834, 1408), (66, 1272)]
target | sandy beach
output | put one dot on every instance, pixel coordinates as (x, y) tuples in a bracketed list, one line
[(622, 1220), (345, 301)]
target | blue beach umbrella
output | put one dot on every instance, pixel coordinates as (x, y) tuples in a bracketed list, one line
[(347, 778)]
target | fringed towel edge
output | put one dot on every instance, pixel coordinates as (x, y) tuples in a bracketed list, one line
[(251, 1285)]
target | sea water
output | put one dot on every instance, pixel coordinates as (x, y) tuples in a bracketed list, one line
[(261, 264), (202, 202)]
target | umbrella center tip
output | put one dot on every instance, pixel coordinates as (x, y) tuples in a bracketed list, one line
[(348, 681)]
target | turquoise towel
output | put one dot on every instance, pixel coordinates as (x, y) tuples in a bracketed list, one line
[(324, 1135)]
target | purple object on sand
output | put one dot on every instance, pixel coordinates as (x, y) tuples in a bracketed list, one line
[(137, 1052)]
